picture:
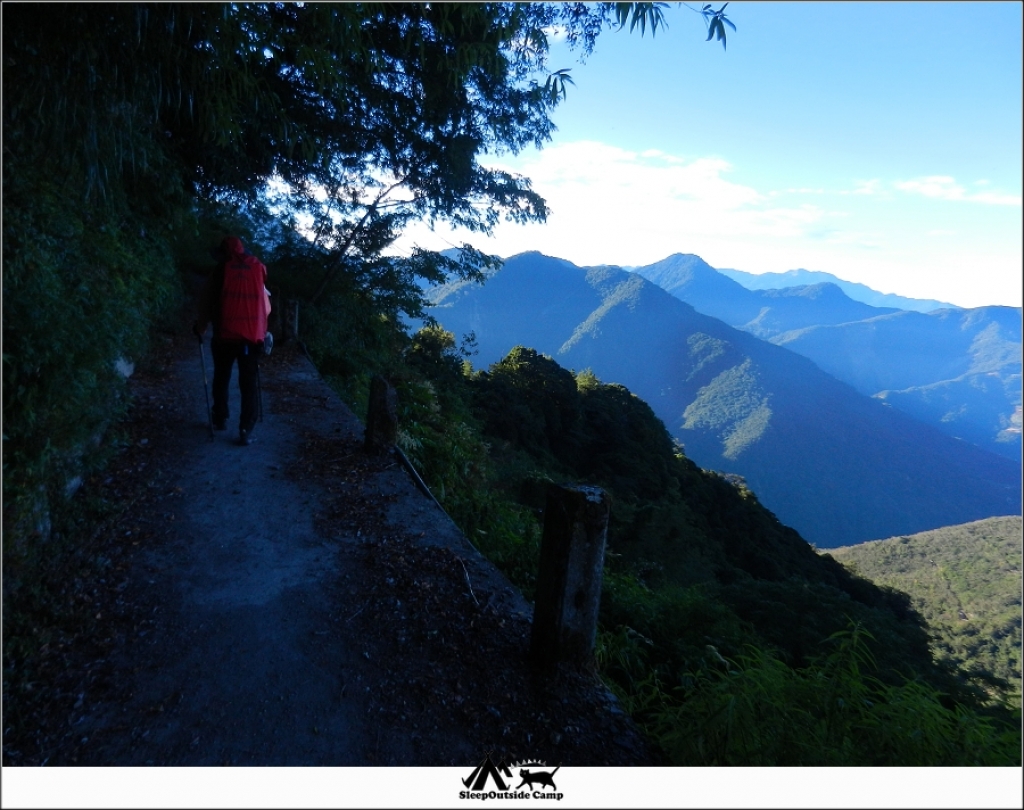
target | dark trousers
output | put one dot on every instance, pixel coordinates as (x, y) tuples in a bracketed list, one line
[(225, 353)]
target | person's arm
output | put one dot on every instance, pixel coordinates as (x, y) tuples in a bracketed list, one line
[(206, 312)]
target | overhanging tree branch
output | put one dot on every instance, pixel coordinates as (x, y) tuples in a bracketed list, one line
[(347, 244)]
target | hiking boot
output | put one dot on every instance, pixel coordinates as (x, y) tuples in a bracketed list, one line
[(245, 438)]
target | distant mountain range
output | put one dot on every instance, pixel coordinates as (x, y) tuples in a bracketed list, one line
[(838, 466), (858, 292), (959, 370), (764, 313)]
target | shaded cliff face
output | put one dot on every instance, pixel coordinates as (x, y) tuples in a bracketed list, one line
[(834, 464)]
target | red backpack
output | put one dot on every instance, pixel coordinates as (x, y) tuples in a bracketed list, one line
[(243, 309)]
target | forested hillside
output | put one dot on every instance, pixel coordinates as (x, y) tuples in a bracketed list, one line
[(708, 600), (966, 583)]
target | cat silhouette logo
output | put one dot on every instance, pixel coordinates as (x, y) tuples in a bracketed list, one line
[(537, 779)]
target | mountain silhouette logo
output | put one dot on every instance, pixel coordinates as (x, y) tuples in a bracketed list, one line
[(487, 770)]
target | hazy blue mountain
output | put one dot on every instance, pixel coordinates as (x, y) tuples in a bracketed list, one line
[(956, 369), (761, 312), (959, 370), (858, 292), (838, 466)]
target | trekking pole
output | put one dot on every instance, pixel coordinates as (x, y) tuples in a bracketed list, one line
[(206, 386), (259, 389)]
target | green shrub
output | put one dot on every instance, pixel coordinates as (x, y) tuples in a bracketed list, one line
[(756, 711), (83, 286)]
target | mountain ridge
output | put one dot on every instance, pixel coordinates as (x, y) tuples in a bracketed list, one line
[(738, 403), (958, 370), (855, 290), (892, 354), (765, 312)]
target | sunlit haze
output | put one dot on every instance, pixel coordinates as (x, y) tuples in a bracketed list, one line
[(880, 142)]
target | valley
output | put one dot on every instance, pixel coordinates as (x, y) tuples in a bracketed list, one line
[(837, 465)]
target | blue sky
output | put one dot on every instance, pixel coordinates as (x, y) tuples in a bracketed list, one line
[(880, 142)]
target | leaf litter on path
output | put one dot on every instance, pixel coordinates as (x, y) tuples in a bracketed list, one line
[(297, 602)]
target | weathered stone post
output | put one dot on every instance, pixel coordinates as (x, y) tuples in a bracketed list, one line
[(381, 417), (289, 319), (569, 577)]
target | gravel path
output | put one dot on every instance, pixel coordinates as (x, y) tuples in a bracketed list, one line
[(232, 664)]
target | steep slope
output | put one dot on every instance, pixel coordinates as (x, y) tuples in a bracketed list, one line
[(858, 292), (965, 581), (761, 312), (959, 370), (837, 466)]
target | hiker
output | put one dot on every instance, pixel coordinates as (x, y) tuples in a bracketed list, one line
[(236, 302)]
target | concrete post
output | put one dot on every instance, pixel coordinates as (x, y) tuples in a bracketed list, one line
[(381, 417), (569, 577)]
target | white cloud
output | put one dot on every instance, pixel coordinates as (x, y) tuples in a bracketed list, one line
[(867, 187), (618, 206), (614, 206), (943, 187), (996, 199)]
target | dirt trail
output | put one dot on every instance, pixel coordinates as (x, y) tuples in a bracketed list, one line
[(296, 602), (229, 666)]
